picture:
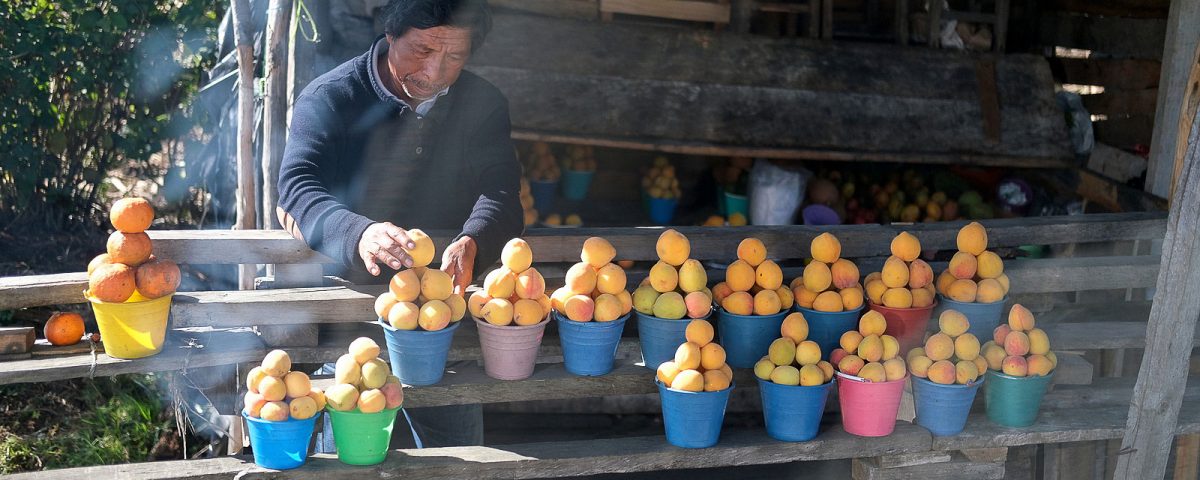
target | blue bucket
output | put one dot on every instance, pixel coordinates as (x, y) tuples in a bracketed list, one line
[(575, 184), (735, 203), (983, 317), (418, 357), (746, 338), (693, 419), (589, 348), (943, 409), (660, 338), (793, 412), (662, 210), (826, 328), (543, 195), (280, 445)]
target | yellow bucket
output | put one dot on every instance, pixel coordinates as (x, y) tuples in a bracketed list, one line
[(135, 328)]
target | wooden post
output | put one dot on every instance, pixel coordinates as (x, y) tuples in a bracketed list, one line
[(1178, 64), (1154, 410), (275, 105), (247, 205)]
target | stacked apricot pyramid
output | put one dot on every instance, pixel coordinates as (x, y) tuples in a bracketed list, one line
[(869, 353), (975, 274), (699, 364), (129, 265), (753, 284), (905, 281), (362, 380), (830, 283), (277, 393), (793, 359), (1019, 348), (420, 297), (949, 356), (677, 285), (595, 287), (515, 293)]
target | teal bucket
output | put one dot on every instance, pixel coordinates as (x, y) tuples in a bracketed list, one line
[(1014, 401), (575, 184), (735, 203)]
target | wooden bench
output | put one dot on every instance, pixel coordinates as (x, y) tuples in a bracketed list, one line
[(211, 328)]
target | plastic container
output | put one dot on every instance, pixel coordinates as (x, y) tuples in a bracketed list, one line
[(908, 325), (746, 338), (819, 215), (1014, 401), (510, 352), (135, 328), (280, 445), (662, 210), (983, 317), (735, 203), (660, 337), (943, 409), (793, 412), (869, 409), (589, 348), (693, 419), (418, 357), (826, 328), (543, 195), (362, 438), (575, 184)]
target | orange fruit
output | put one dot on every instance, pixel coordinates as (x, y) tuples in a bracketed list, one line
[(157, 278), (64, 328), (131, 215), (132, 249)]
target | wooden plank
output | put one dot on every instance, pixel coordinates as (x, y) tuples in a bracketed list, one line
[(1072, 370), (1172, 327), (989, 103), (38, 290), (738, 447), (910, 459), (1108, 36), (1187, 457), (233, 247), (953, 470), (1111, 73), (696, 11), (16, 340), (573, 9), (986, 455), (1122, 102), (1079, 336), (275, 104), (1172, 121)]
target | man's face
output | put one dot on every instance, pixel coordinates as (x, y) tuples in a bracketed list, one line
[(425, 62)]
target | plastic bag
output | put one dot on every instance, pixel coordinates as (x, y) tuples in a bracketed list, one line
[(775, 192), (1079, 123)]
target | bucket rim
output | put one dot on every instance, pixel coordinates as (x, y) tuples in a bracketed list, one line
[(479, 322), (932, 306), (726, 313), (96, 301), (388, 328), (248, 418), (956, 386), (559, 317), (1048, 376), (852, 378), (640, 315), (823, 385), (948, 300), (803, 310), (357, 412), (685, 392)]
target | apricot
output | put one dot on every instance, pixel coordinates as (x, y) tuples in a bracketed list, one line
[(766, 302), (434, 315), (920, 274), (898, 298), (989, 290), (363, 349), (966, 347), (597, 252), (962, 290), (498, 311), (837, 355), (873, 372), (720, 291), (384, 303), (699, 332), (795, 327), (739, 303), (895, 273), (113, 283), (517, 256), (965, 372), (906, 247), (673, 247), (64, 328), (1016, 343), (811, 375), (915, 352), (891, 347), (475, 303), (132, 249), (972, 239), (817, 277), (663, 277), (872, 323), (371, 401), (276, 363), (1003, 281), (769, 276), (530, 284), (404, 316), (825, 248), (529, 312), (688, 381), (666, 372), (272, 388), (643, 299), (850, 340), (698, 305), (692, 277), (989, 265), (274, 411), (297, 384), (302, 407), (826, 370), (253, 403), (579, 308), (342, 397), (981, 365), (808, 352), (670, 305), (875, 290), (963, 266), (993, 354), (752, 251), (1039, 343), (1015, 365), (786, 299), (919, 366), (921, 297), (688, 356), (740, 276), (829, 301), (405, 286), (871, 348), (607, 308), (499, 283), (254, 376), (782, 351), (763, 368), (318, 396), (785, 375), (712, 356), (1000, 333), (942, 372), (939, 346), (953, 323), (715, 380), (804, 297), (624, 296), (1038, 365), (850, 364), (458, 307), (943, 282), (1020, 318)]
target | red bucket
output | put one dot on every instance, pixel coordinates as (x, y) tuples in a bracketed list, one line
[(869, 408), (906, 324)]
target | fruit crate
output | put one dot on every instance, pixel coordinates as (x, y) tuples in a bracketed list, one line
[(1048, 285)]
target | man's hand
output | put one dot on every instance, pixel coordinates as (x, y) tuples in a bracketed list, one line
[(459, 262), (385, 243)]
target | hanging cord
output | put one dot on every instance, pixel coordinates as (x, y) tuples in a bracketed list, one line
[(304, 19)]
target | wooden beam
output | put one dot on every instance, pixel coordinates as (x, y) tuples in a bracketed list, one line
[(1171, 123), (1110, 73), (275, 104), (1169, 336), (573, 9), (1107, 36), (688, 10), (247, 186)]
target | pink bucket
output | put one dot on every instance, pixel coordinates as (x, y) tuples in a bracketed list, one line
[(869, 409), (509, 352)]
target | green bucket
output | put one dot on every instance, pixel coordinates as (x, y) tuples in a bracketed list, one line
[(362, 438), (1014, 401)]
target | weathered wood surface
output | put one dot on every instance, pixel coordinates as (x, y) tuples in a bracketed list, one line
[(16, 340), (536, 460), (1119, 37), (911, 103), (575, 9), (959, 468), (38, 290), (910, 459), (1115, 73), (232, 247), (1173, 119), (689, 10)]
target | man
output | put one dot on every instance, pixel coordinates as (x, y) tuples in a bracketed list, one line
[(403, 136)]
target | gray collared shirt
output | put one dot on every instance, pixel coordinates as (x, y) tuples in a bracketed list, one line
[(379, 49)]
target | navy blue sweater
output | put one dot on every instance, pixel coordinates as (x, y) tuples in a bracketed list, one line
[(454, 169)]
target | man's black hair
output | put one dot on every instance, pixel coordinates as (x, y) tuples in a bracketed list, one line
[(401, 15)]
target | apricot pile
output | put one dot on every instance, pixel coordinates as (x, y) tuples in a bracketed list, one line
[(595, 287), (581, 158), (1019, 348), (753, 284), (905, 280), (660, 181), (868, 353), (974, 274), (793, 359), (544, 166), (363, 381), (829, 283), (526, 196), (950, 356), (420, 297), (276, 393), (515, 293), (699, 364), (677, 286), (129, 264)]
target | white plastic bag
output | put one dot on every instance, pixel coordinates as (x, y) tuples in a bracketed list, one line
[(775, 192)]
